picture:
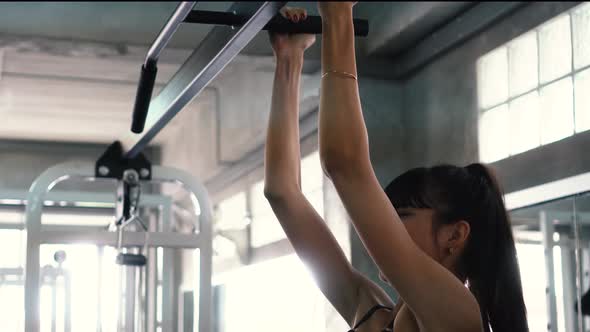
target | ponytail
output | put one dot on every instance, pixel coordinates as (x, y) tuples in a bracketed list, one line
[(489, 262), (490, 259)]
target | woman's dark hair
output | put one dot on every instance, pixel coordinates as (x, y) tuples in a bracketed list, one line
[(489, 260)]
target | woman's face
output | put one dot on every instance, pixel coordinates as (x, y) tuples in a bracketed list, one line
[(419, 223)]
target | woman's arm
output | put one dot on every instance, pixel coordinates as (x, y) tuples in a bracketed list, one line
[(425, 286), (312, 240)]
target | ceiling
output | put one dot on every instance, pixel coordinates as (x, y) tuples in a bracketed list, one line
[(69, 69), (393, 25)]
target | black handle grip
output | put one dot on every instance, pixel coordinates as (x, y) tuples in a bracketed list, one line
[(311, 25), (147, 79), (131, 259)]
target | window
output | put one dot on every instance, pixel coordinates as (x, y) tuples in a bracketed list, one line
[(531, 91), (12, 245), (232, 213), (276, 295), (249, 292), (12, 314), (12, 294), (312, 181), (265, 226)]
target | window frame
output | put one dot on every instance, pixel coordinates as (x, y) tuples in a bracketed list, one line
[(571, 74)]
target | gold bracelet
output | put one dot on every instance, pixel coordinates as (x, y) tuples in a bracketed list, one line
[(341, 73)]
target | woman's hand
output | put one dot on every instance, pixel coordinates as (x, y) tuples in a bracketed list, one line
[(291, 44)]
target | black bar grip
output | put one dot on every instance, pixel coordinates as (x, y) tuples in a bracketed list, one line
[(131, 259), (147, 79), (311, 25)]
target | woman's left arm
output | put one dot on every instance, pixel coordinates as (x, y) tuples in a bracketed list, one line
[(427, 288)]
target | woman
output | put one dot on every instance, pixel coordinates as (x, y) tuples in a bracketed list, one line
[(432, 232)]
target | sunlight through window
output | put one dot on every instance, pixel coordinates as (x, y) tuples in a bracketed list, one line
[(529, 94)]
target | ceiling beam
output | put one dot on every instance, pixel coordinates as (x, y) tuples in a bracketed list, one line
[(397, 26), (454, 33)]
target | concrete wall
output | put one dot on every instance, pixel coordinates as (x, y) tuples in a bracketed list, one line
[(382, 109)]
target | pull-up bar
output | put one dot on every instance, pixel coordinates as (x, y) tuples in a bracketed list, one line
[(311, 25), (218, 48), (147, 78)]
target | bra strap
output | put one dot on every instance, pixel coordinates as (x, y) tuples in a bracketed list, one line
[(369, 314)]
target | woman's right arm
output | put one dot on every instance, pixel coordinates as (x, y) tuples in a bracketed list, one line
[(311, 238)]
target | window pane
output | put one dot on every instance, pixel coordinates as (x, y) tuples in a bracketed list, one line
[(557, 111), (159, 305), (531, 261), (12, 217), (493, 134), (259, 203), (224, 247), (492, 74), (11, 241), (312, 176), (312, 181), (583, 101), (265, 226), (232, 212), (524, 123), (555, 48), (265, 230), (316, 198), (57, 218), (522, 54), (82, 265), (581, 23), (259, 291), (12, 313)]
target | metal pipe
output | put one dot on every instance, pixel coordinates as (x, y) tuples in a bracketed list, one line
[(53, 285), (67, 302), (99, 289), (569, 288), (133, 239), (179, 15), (35, 199), (547, 229), (217, 49), (311, 25), (130, 290), (578, 260), (149, 69), (205, 232)]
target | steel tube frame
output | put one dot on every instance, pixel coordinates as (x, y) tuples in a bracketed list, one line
[(205, 231), (36, 236), (132, 239), (548, 229), (568, 261), (104, 200), (130, 289), (183, 9), (220, 46)]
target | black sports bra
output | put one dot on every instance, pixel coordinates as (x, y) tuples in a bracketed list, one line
[(388, 328)]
